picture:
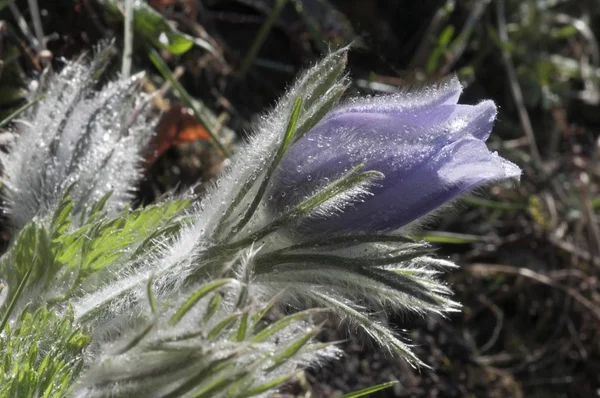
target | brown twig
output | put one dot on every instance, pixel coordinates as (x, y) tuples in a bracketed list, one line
[(515, 88), (583, 183), (574, 250), (483, 269), (499, 315)]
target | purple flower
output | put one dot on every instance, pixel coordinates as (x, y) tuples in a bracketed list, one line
[(430, 149)]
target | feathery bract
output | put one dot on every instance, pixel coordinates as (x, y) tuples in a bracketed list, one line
[(171, 299)]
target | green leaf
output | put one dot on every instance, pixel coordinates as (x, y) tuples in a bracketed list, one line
[(243, 328), (155, 28), (187, 99), (97, 207), (212, 307), (259, 315), (323, 79), (194, 298), (205, 377), (219, 383), (398, 282), (15, 298), (21, 109), (369, 390), (283, 323), (291, 127), (378, 332), (448, 237), (285, 143), (312, 119), (223, 325), (291, 350), (350, 180), (438, 52), (269, 261), (41, 354), (564, 32), (152, 298), (61, 219), (352, 240), (270, 385), (136, 339), (5, 3), (102, 242)]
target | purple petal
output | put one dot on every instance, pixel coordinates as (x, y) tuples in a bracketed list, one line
[(476, 120), (428, 155), (444, 93), (459, 167)]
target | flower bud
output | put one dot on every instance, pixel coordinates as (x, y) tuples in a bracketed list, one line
[(429, 148)]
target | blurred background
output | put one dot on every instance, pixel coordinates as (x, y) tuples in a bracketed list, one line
[(529, 255)]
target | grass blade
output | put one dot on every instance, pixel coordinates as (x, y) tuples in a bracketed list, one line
[(369, 390), (186, 98), (194, 298)]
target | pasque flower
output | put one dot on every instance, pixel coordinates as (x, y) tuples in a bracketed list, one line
[(429, 148), (167, 299)]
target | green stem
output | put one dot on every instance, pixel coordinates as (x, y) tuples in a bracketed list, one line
[(20, 110), (186, 98), (15, 298), (268, 262), (128, 40), (285, 143), (352, 179), (247, 185), (261, 37)]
